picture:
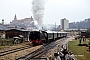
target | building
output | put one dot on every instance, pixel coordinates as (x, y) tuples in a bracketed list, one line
[(15, 17), (3, 29), (64, 24), (16, 32), (21, 23)]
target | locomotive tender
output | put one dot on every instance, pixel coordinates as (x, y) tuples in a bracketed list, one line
[(40, 37)]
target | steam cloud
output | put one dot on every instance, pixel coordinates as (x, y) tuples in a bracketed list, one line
[(38, 11)]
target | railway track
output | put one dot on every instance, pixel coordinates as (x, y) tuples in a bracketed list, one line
[(39, 52), (14, 50)]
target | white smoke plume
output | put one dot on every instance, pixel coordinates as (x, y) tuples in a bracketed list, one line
[(38, 11)]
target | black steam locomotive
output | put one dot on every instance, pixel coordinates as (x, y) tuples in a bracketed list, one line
[(40, 37)]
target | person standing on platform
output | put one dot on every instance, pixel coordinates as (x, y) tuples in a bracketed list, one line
[(57, 57)]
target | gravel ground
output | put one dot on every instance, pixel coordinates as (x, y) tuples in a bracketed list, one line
[(4, 48), (18, 54)]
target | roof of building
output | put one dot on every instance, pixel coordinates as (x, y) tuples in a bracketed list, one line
[(2, 27), (19, 30)]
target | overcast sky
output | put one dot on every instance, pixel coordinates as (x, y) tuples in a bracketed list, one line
[(73, 10)]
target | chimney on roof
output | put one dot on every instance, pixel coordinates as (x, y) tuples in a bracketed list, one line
[(2, 21), (31, 18)]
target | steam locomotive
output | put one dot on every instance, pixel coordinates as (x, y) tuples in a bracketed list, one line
[(40, 37)]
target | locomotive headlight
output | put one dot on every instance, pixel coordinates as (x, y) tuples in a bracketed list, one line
[(37, 41)]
